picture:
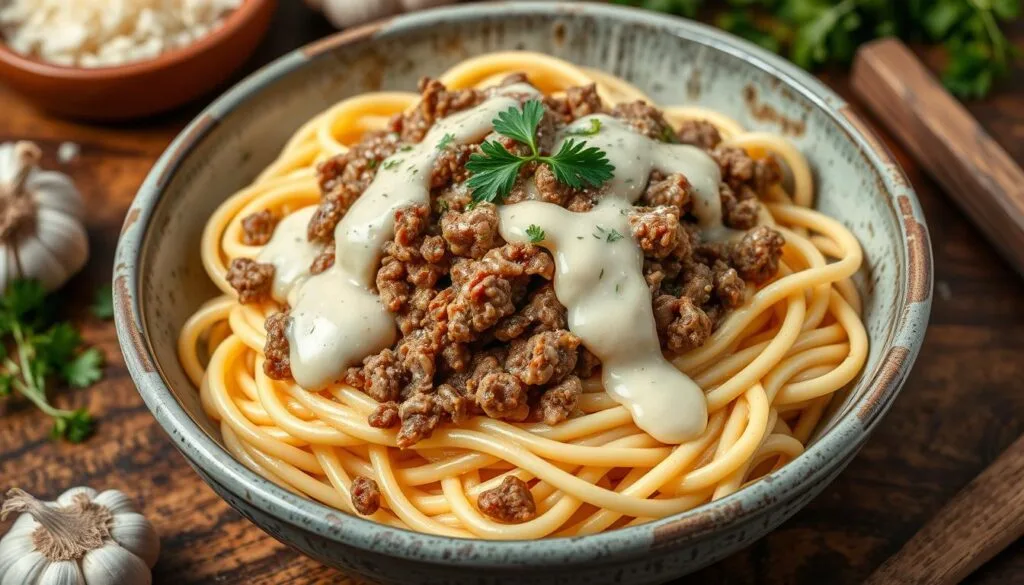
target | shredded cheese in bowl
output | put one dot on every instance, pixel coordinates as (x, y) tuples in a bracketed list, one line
[(105, 33)]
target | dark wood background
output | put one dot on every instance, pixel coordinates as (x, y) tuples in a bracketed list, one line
[(962, 405)]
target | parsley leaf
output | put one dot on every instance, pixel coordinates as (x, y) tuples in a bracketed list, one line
[(595, 127), (445, 141), (494, 172), (35, 349), (608, 235), (103, 303), (495, 168), (536, 233)]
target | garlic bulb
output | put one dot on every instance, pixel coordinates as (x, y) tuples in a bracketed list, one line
[(346, 13), (41, 231), (81, 539)]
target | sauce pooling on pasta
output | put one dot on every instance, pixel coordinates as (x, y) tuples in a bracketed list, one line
[(599, 275), (337, 320)]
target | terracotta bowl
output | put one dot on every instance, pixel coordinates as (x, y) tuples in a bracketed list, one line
[(159, 280), (145, 87)]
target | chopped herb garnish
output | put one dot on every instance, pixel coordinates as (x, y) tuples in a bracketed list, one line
[(579, 237), (611, 235), (445, 141), (391, 163), (405, 148), (668, 135), (536, 233), (495, 169), (617, 288), (595, 127), (600, 276), (372, 163)]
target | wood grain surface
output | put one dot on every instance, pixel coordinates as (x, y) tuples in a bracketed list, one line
[(963, 404)]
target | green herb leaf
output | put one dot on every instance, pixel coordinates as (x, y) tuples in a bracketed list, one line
[(103, 302), (577, 165), (391, 163), (84, 369), (535, 233), (495, 169), (494, 172), (520, 124), (595, 127), (75, 426), (445, 141)]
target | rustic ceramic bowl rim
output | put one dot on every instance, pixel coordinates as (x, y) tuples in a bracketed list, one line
[(235, 20), (838, 444)]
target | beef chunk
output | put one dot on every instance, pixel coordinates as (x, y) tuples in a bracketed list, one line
[(420, 416), (277, 364), (543, 312), (756, 256), (385, 416), (645, 119), (657, 231), (436, 102), (383, 376), (323, 261), (559, 402), (365, 495), (673, 191), (471, 233), (698, 283), (543, 358), (700, 133), (509, 502), (502, 395), (258, 227), (251, 279), (689, 329), (729, 287)]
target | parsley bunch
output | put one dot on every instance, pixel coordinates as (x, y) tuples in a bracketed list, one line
[(495, 170), (814, 33), (36, 349)]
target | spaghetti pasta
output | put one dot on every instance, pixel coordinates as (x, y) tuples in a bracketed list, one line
[(768, 371)]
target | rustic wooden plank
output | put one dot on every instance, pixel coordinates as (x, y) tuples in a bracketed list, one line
[(962, 406)]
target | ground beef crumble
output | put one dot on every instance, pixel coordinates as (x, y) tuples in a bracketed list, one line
[(365, 495), (510, 502), (258, 227), (251, 279), (482, 331)]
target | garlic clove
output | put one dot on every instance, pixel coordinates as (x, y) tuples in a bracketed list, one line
[(26, 569), (68, 497), (16, 547), (115, 501), (23, 526), (113, 564), (56, 191), (346, 13), (136, 535), (37, 262), (62, 573), (64, 238)]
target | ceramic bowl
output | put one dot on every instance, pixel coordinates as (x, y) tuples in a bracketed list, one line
[(159, 280), (144, 87)]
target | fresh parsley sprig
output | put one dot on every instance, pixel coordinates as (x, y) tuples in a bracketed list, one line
[(814, 33), (535, 233), (495, 169), (35, 350)]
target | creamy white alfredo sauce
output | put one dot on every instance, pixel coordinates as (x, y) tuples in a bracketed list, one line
[(291, 253), (599, 275), (336, 318)]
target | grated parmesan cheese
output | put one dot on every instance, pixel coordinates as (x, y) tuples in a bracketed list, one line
[(104, 33)]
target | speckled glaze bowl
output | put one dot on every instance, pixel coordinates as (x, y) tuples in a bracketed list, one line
[(159, 281)]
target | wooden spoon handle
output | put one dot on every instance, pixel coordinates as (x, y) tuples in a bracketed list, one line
[(943, 136), (980, 521)]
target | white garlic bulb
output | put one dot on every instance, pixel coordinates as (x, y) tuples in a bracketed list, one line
[(81, 539), (346, 13), (41, 231)]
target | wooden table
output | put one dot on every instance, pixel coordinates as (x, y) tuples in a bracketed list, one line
[(963, 404)]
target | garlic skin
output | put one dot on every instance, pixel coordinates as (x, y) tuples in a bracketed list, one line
[(347, 13), (41, 231), (83, 538)]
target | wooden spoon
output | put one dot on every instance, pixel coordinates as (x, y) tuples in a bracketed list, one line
[(985, 182)]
